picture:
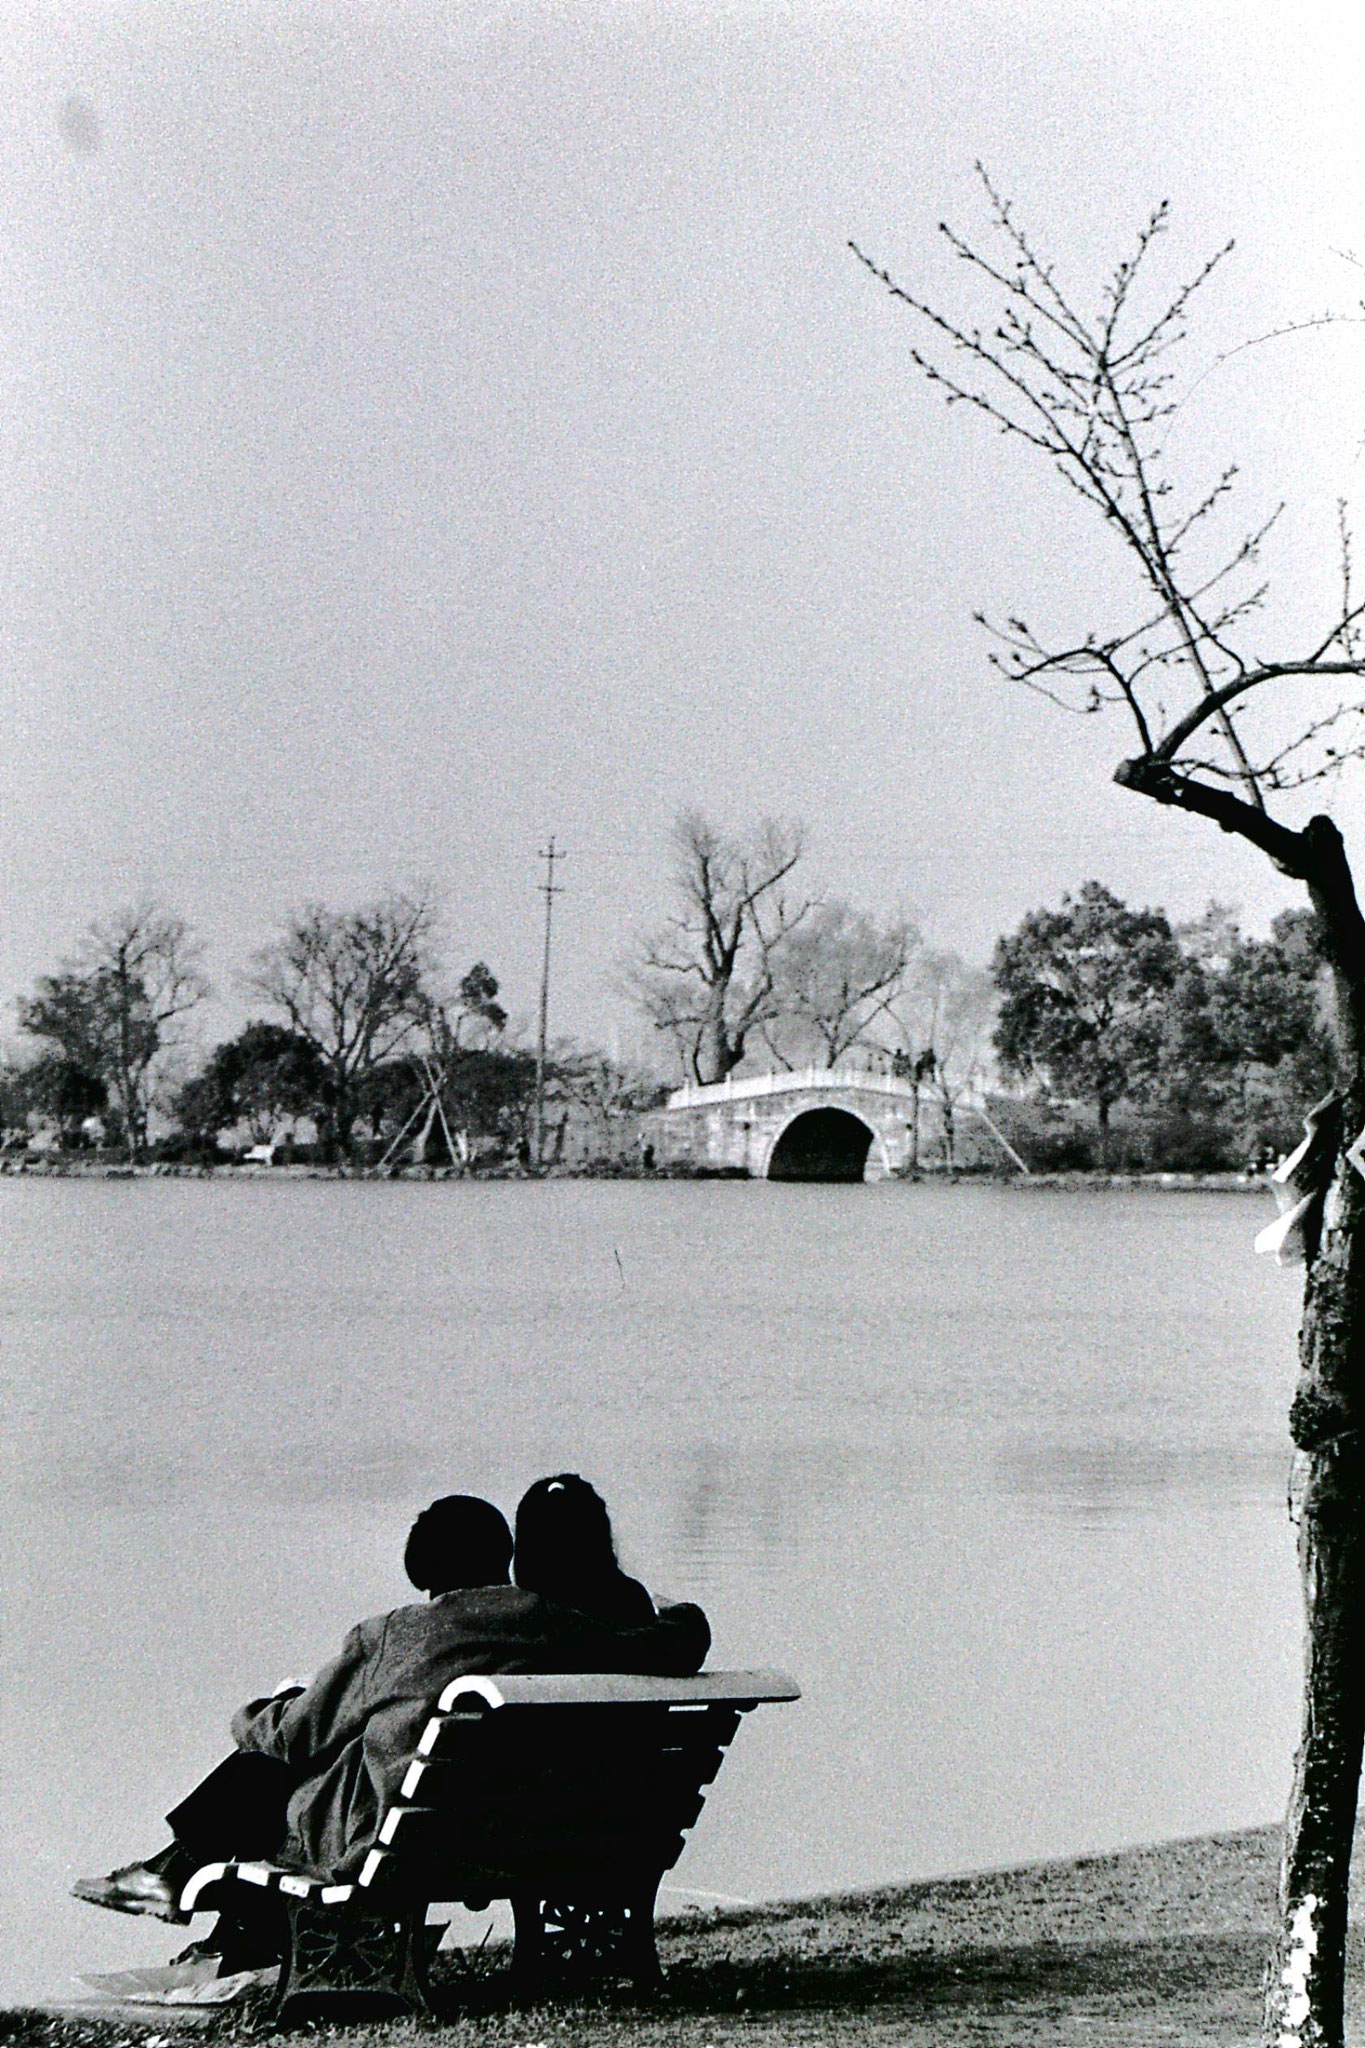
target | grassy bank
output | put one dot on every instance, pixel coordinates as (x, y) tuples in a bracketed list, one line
[(1147, 1948)]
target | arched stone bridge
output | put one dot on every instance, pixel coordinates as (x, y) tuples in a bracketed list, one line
[(827, 1123)]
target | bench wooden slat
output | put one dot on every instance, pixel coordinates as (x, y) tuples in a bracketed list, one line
[(540, 1860), (451, 1782), (615, 1737), (426, 1831)]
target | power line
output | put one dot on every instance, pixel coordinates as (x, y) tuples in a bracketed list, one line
[(549, 889)]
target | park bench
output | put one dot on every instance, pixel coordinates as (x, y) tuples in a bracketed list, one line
[(567, 1795)]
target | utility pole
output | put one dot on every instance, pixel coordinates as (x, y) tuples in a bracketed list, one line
[(549, 889)]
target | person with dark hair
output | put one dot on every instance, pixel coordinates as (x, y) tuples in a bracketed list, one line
[(565, 1550), (458, 1527), (315, 1765)]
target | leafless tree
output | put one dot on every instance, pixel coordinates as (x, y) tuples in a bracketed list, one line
[(355, 985), (708, 978), (834, 977), (114, 1011), (1221, 733), (945, 1019), (607, 1097)]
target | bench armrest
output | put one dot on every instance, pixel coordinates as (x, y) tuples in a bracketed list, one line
[(741, 1689)]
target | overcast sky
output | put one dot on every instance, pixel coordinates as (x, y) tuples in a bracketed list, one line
[(426, 428)]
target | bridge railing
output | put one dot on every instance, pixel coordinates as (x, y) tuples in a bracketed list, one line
[(693, 1093)]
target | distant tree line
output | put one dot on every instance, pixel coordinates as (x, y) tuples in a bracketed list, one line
[(1106, 1036), (102, 1025), (366, 1049)]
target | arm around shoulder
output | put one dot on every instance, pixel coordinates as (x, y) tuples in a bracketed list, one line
[(683, 1637)]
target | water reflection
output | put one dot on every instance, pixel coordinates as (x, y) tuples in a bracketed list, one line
[(1125, 1476), (761, 1508)]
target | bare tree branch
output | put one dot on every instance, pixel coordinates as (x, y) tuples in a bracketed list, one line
[(1095, 397), (707, 978)]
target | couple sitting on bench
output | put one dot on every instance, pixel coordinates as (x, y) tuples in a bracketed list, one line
[(316, 1765)]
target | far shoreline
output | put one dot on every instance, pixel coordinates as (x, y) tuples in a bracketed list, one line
[(1091, 1182)]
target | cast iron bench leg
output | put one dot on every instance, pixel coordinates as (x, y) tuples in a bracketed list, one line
[(338, 1958), (567, 1943), (646, 1971)]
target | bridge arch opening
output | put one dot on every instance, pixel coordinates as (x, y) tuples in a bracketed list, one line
[(822, 1144)]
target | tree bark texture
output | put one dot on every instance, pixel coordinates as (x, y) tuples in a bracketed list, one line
[(1306, 1975), (718, 1054)]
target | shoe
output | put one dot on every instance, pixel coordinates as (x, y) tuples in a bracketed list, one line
[(197, 1952), (137, 1888), (231, 1951)]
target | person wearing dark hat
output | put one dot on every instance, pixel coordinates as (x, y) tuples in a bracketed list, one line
[(316, 1765)]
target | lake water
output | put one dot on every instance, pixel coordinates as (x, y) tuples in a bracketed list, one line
[(998, 1474)]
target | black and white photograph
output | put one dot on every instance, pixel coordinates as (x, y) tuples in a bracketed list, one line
[(682, 1023)]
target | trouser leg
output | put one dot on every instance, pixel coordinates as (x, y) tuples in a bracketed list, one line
[(238, 1812)]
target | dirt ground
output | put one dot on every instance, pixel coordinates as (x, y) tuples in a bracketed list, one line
[(1148, 1948)]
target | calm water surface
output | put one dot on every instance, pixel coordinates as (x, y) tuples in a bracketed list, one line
[(997, 1474)]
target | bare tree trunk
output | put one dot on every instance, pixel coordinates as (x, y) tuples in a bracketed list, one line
[(1306, 1978), (135, 1117), (717, 1055), (336, 1128), (1305, 1981), (419, 1150), (1304, 2002), (127, 1099), (341, 1119)]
